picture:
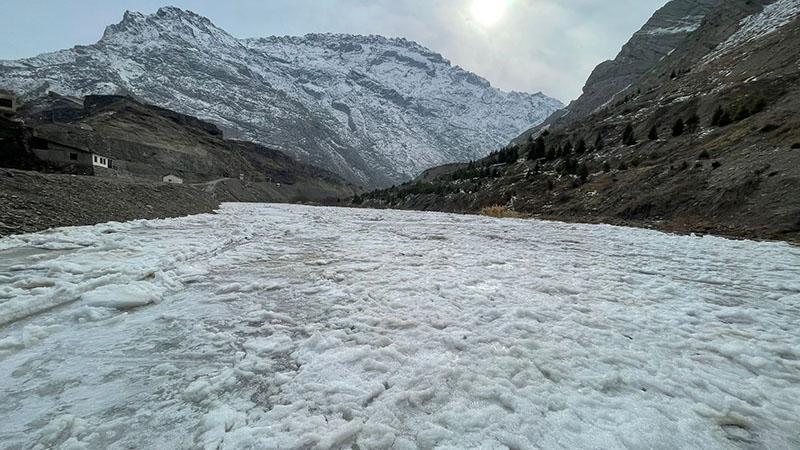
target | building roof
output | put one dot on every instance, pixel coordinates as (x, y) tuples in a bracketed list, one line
[(50, 141)]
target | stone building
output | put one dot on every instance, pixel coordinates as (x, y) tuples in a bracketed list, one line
[(8, 103), (172, 179), (72, 159)]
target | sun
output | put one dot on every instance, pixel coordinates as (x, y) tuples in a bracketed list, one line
[(488, 12)]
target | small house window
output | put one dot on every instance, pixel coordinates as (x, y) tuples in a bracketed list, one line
[(95, 158), (73, 156)]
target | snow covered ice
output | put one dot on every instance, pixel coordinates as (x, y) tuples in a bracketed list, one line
[(270, 326)]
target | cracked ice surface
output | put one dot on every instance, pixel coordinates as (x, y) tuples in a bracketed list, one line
[(270, 326)]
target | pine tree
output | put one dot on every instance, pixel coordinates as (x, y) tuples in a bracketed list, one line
[(717, 116), (693, 122), (571, 165), (606, 167), (580, 147), (653, 136), (725, 119), (628, 136), (678, 128), (742, 113), (598, 143), (537, 151), (567, 149), (583, 172)]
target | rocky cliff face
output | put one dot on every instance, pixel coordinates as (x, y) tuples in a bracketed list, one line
[(657, 39), (372, 109), (705, 137)]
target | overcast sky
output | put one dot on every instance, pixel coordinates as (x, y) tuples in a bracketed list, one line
[(524, 45)]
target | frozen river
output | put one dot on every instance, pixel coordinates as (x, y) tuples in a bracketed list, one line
[(268, 326)]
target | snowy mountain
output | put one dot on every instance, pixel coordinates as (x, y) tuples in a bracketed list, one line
[(693, 127), (373, 109)]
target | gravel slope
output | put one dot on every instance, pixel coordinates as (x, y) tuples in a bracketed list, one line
[(34, 201)]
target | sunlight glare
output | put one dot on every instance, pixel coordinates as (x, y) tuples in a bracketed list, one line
[(488, 12)]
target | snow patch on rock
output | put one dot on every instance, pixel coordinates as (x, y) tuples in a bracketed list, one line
[(754, 27)]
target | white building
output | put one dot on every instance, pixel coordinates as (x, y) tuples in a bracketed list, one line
[(8, 103), (172, 179), (101, 161)]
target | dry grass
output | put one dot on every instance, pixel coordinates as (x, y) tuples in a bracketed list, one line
[(500, 212)]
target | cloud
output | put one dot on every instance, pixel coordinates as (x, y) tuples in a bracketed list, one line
[(539, 45)]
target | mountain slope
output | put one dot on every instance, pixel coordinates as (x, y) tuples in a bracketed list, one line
[(147, 142), (704, 138), (372, 109), (665, 30)]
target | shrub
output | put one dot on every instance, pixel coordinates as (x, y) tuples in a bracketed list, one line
[(693, 122), (716, 116), (583, 172), (606, 167), (725, 119), (500, 212), (716, 164), (770, 127), (580, 147), (721, 117), (742, 113), (570, 166), (704, 155), (623, 166), (628, 136), (796, 146), (598, 143), (678, 128), (653, 135), (759, 105)]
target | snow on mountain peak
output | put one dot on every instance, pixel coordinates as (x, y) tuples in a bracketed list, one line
[(169, 21), (376, 110)]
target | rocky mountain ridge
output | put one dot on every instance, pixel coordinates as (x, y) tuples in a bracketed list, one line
[(374, 110), (656, 40), (706, 138)]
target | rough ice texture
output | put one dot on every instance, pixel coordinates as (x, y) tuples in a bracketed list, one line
[(373, 109), (299, 327)]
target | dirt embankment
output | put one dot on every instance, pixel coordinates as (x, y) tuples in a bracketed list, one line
[(32, 201)]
